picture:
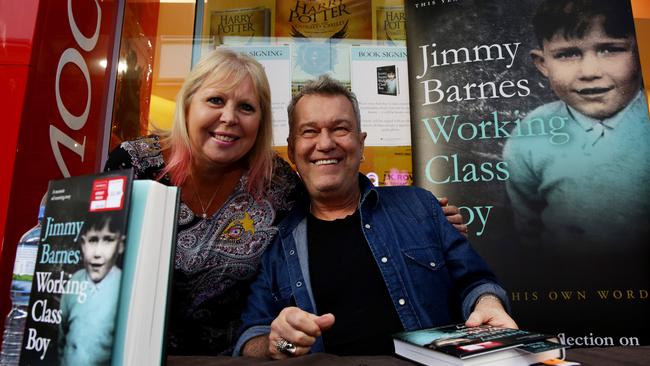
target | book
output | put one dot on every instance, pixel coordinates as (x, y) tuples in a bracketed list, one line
[(148, 267), (331, 20), (483, 345), (387, 81), (245, 24), (389, 20), (102, 272)]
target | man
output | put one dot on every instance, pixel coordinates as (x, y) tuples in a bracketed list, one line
[(352, 263), (88, 318)]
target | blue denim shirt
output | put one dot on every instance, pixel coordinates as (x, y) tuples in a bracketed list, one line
[(432, 274)]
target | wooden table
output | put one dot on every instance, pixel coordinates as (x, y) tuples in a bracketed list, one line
[(613, 356)]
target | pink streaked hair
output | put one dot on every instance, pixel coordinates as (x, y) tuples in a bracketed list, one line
[(228, 69)]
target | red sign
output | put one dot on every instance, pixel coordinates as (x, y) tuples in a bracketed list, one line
[(108, 194), (63, 121)]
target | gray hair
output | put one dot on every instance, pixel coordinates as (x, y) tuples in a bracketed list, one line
[(324, 85)]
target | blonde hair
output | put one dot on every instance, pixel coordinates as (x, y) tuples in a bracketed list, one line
[(229, 69)]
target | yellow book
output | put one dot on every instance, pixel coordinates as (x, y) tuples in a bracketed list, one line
[(388, 20), (337, 19), (390, 23), (245, 23)]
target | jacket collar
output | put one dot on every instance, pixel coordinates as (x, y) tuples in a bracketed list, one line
[(369, 196), (369, 193)]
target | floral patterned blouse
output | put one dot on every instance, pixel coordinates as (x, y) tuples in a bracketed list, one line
[(216, 257)]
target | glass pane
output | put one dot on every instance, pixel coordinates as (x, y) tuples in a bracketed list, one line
[(361, 43), (155, 56)]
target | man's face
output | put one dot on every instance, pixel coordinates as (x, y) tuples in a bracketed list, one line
[(326, 145), (597, 75), (100, 249)]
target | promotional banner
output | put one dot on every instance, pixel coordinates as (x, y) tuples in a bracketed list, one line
[(379, 78), (78, 271), (531, 116)]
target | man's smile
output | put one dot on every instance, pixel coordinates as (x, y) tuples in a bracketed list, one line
[(326, 161)]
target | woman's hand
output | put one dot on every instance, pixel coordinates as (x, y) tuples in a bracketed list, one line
[(452, 213)]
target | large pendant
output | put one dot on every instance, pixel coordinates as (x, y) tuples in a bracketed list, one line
[(204, 215)]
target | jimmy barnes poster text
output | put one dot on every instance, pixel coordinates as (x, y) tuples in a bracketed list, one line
[(544, 140)]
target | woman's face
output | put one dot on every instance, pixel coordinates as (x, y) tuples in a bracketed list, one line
[(222, 125)]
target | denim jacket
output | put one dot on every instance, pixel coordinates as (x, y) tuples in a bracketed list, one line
[(432, 274)]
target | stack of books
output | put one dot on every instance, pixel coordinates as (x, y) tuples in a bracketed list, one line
[(482, 345)]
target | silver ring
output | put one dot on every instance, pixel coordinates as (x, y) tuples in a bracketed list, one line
[(284, 346)]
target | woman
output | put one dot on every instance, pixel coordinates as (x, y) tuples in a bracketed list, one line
[(219, 153), (234, 188)]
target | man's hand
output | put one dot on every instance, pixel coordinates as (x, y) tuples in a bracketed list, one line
[(295, 326), (489, 310), (452, 213)]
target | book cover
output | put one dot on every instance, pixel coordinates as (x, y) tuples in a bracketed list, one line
[(466, 342), (538, 130), (245, 24), (76, 284), (387, 81), (336, 19), (482, 345), (389, 20)]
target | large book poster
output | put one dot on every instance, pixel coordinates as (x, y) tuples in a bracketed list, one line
[(73, 304), (531, 115)]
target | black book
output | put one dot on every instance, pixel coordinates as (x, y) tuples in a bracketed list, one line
[(387, 83), (102, 271)]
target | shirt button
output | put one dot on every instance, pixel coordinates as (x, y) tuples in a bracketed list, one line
[(292, 252), (367, 226), (298, 284), (432, 264), (401, 301), (384, 259)]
